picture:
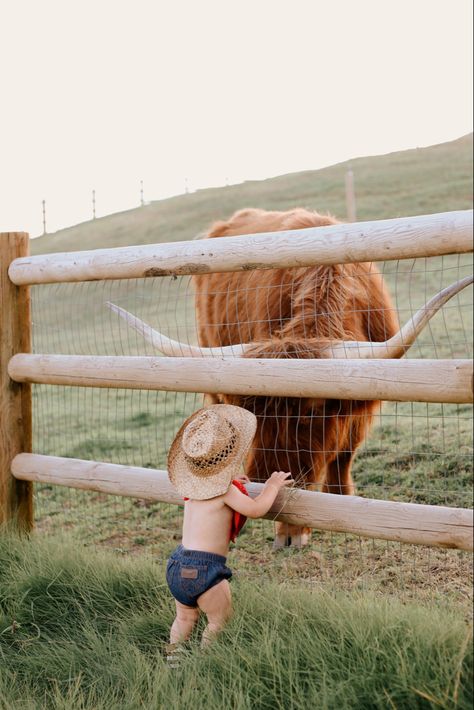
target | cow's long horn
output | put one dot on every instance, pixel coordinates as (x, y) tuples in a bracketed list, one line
[(170, 347), (398, 345)]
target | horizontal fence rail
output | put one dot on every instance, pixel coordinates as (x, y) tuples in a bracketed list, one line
[(448, 381), (389, 239), (402, 522)]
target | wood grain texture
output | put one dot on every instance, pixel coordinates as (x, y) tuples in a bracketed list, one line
[(16, 502), (438, 526), (398, 380), (403, 238)]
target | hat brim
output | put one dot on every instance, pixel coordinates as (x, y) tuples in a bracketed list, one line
[(184, 479)]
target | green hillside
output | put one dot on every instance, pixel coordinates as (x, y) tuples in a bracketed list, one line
[(419, 181)]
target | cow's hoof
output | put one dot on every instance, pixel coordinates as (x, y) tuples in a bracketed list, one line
[(281, 541), (300, 540)]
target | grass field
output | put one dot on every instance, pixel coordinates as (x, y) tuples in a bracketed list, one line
[(85, 631), (416, 452)]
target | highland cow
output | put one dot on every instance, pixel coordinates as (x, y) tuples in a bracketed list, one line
[(293, 313), (342, 310)]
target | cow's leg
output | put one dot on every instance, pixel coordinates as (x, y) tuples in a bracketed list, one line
[(339, 477), (282, 536), (287, 535), (339, 471), (339, 445), (211, 399), (300, 537)]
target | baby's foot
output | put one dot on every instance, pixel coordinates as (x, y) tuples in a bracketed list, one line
[(174, 654)]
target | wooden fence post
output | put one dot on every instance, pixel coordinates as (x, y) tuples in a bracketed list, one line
[(16, 499)]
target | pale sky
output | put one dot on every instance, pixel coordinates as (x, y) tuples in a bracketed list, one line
[(100, 94)]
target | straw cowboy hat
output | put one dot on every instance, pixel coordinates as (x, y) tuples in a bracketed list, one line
[(208, 450)]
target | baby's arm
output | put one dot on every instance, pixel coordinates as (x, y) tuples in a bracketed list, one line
[(256, 507)]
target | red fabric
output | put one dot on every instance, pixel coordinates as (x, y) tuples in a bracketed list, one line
[(238, 520)]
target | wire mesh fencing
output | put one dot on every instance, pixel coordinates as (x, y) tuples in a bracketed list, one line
[(412, 452)]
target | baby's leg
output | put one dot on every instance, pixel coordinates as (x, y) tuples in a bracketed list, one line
[(216, 603), (186, 618)]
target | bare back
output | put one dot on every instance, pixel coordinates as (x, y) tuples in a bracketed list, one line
[(206, 525)]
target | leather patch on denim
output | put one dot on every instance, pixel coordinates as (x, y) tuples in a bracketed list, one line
[(189, 573)]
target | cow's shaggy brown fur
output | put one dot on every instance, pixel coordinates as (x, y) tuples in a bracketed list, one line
[(290, 313)]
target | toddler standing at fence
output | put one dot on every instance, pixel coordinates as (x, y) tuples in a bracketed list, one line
[(203, 464)]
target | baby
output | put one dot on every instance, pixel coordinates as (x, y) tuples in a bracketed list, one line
[(203, 465)]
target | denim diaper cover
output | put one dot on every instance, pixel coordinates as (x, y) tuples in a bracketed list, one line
[(190, 573)]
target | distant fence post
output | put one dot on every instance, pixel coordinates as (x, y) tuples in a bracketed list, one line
[(16, 500), (44, 216), (350, 197)]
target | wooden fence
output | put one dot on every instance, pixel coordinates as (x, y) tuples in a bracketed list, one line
[(401, 380)]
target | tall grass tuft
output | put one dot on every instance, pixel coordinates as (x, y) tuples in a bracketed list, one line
[(83, 629)]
